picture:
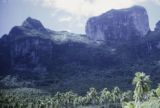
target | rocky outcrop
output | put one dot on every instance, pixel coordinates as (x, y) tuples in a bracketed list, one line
[(157, 28), (31, 23), (30, 28), (119, 24)]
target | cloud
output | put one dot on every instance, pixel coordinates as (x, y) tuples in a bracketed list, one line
[(87, 8), (157, 1), (65, 19)]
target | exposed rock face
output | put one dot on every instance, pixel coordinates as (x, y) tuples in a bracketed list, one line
[(118, 24), (30, 28), (31, 23), (157, 26)]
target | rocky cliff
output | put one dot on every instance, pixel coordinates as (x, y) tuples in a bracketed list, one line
[(157, 28), (119, 24)]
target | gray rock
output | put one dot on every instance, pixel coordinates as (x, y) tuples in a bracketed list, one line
[(31, 23), (118, 24), (157, 28)]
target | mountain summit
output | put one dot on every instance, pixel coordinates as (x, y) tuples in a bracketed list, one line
[(119, 24), (31, 23)]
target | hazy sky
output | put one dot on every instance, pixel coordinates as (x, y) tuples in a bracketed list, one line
[(69, 15)]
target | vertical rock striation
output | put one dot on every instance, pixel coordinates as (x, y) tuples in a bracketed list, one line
[(118, 24), (157, 26)]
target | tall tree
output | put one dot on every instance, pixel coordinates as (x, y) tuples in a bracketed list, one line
[(142, 86), (105, 97), (158, 91), (92, 96)]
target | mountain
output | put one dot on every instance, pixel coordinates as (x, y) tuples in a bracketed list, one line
[(122, 24), (34, 56)]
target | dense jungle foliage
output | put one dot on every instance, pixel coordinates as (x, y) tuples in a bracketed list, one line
[(141, 97)]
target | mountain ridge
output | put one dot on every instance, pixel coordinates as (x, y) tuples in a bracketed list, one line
[(60, 61)]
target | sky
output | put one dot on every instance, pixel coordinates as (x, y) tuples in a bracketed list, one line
[(66, 15)]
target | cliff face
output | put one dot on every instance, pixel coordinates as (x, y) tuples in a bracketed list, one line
[(29, 44), (157, 28), (119, 24)]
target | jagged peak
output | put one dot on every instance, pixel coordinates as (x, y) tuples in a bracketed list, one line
[(33, 24)]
